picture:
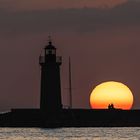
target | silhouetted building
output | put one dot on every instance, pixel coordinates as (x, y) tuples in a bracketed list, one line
[(50, 99)]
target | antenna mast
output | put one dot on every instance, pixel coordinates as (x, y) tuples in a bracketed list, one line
[(70, 85)]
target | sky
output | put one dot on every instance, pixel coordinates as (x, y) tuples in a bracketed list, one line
[(102, 37)]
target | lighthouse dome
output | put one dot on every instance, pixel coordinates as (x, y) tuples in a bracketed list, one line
[(50, 46)]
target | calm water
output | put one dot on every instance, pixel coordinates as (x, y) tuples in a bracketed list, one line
[(70, 134)]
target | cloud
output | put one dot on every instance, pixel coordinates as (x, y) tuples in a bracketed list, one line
[(58, 4), (70, 20)]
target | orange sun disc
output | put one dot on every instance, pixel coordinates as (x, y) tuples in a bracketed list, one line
[(111, 92)]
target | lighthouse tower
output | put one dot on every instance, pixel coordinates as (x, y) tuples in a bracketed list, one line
[(50, 99)]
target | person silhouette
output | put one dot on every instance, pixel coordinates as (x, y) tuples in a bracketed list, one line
[(111, 106)]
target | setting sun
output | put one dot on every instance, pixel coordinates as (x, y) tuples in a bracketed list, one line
[(111, 92)]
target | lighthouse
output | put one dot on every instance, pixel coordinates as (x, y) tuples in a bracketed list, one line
[(50, 98)]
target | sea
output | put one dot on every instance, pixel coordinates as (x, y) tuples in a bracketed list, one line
[(115, 133)]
